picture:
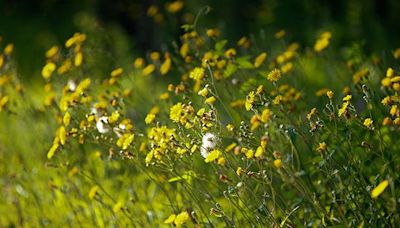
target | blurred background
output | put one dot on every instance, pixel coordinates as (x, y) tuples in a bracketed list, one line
[(142, 25)]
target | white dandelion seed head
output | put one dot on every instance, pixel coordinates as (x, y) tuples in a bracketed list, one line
[(102, 125), (209, 141), (71, 85)]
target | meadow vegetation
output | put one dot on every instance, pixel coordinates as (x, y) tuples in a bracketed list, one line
[(263, 131)]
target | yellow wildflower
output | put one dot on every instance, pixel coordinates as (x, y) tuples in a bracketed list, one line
[(117, 207), (277, 100), (230, 52), (230, 147), (181, 218), (260, 89), (65, 67), (155, 55), (250, 154), (321, 147), (221, 161), (255, 122), (138, 63), (347, 98), (389, 72), (164, 96), (395, 79), (213, 155), (230, 127), (260, 59), (264, 141), (181, 150), (201, 112), (396, 53), (67, 118), (368, 122), (197, 73), (250, 100), (239, 171), (52, 52), (278, 163), (48, 69), (287, 68), (148, 69), (62, 134), (165, 66), (184, 50), (93, 191), (244, 42), (170, 219), (386, 100), (9, 49), (117, 72), (125, 140), (379, 189), (259, 152), (78, 59), (149, 118), (343, 109), (323, 42), (212, 32), (176, 112), (274, 75), (386, 121), (396, 86), (174, 7), (194, 148), (210, 100), (52, 150), (114, 117), (265, 115), (329, 94), (3, 101), (203, 92), (393, 110)]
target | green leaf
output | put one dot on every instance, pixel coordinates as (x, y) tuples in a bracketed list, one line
[(186, 176), (220, 45), (230, 69), (244, 62), (186, 27)]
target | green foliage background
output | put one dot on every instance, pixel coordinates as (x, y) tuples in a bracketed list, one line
[(36, 25)]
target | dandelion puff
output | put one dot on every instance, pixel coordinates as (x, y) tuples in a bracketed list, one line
[(101, 125), (71, 85), (209, 141)]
